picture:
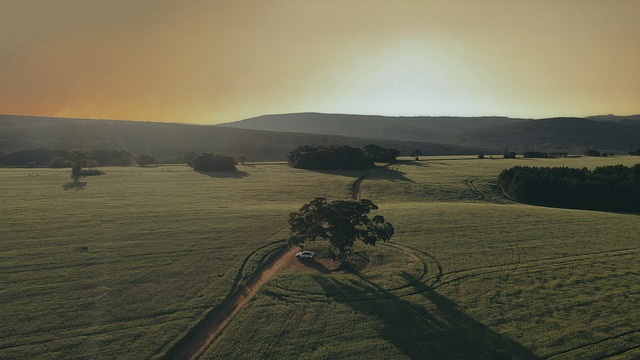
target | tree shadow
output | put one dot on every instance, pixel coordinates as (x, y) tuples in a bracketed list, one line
[(315, 265), (439, 330), (389, 173), (354, 173), (75, 184), (237, 174), (414, 163)]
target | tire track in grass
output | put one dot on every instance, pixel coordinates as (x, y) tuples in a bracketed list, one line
[(532, 266), (598, 342), (472, 186)]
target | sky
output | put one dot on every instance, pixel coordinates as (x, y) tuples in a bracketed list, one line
[(214, 61)]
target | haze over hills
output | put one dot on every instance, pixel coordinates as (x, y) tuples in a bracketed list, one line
[(606, 132), (167, 141), (418, 128), (271, 137)]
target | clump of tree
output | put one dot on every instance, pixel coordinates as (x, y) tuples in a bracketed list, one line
[(144, 160), (378, 153), (535, 155), (509, 155), (341, 222), (592, 152), (334, 157), (209, 162), (416, 154), (609, 188), (635, 153)]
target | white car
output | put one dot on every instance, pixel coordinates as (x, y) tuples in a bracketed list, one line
[(305, 255)]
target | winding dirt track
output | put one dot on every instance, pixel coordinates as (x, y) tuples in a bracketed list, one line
[(214, 325)]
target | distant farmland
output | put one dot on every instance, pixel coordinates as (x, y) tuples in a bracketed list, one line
[(125, 265)]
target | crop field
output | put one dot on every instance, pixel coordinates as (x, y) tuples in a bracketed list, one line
[(122, 265)]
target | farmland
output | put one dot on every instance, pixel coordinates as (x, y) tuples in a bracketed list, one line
[(125, 264)]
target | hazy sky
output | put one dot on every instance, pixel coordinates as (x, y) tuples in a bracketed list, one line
[(214, 61)]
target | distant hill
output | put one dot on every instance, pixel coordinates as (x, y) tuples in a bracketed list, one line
[(609, 133), (166, 141), (419, 128), (557, 134), (615, 118)]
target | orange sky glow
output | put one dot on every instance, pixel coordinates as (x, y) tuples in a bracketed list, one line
[(209, 62)]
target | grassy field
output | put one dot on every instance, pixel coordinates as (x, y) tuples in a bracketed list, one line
[(124, 265)]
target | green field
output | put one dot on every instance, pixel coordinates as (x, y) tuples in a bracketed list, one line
[(124, 265)]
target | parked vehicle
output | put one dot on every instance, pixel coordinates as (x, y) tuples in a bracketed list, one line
[(305, 255)]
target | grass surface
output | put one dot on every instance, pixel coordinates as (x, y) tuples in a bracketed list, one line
[(125, 264)]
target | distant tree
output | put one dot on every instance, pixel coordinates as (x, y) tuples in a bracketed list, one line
[(144, 160), (416, 154), (341, 222), (190, 158), (534, 154), (242, 158), (79, 156), (378, 153), (509, 155), (481, 156), (209, 163), (76, 171), (592, 152), (556, 154), (124, 158), (59, 162)]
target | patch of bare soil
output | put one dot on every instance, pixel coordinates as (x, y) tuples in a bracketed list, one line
[(357, 262)]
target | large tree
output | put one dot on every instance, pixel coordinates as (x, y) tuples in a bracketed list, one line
[(341, 222)]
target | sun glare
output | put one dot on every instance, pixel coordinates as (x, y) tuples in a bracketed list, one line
[(412, 78)]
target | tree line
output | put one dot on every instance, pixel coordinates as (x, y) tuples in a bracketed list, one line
[(607, 188), (66, 158)]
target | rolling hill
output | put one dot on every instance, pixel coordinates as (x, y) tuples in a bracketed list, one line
[(167, 140), (419, 128), (609, 133)]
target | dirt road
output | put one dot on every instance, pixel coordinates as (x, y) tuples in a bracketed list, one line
[(213, 325)]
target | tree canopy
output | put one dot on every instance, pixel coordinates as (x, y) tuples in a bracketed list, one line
[(144, 160), (378, 153), (334, 157), (208, 163), (341, 222)]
